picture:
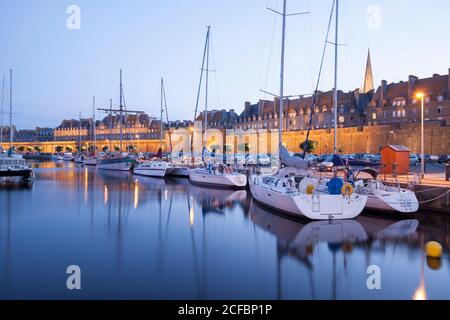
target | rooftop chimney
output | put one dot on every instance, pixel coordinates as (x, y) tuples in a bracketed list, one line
[(448, 82), (411, 85), (382, 93)]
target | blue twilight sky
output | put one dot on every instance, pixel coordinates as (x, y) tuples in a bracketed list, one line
[(57, 70)]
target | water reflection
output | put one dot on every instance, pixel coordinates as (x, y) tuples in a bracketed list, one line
[(138, 237)]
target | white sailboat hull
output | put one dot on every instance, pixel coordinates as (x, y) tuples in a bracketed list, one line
[(204, 177), (124, 165), (403, 202), (151, 172), (178, 172), (315, 207), (90, 162)]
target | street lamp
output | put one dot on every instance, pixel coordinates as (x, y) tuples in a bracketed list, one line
[(421, 96)]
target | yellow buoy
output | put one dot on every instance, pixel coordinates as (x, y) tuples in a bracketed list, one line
[(433, 249), (434, 264), (309, 189)]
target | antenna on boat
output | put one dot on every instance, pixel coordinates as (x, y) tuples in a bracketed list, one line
[(164, 107), (79, 134), (94, 126), (336, 46), (204, 60), (120, 111), (1, 113), (161, 117), (315, 94), (281, 96), (10, 111)]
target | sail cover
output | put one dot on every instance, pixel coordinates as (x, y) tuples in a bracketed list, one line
[(292, 161)]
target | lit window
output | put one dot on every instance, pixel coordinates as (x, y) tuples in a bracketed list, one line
[(341, 119), (403, 113), (394, 113), (374, 116)]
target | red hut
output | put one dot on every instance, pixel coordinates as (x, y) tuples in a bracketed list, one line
[(395, 158)]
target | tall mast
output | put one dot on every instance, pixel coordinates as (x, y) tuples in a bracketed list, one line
[(94, 127), (79, 134), (120, 112), (161, 122), (280, 117), (199, 91), (10, 111), (1, 112), (206, 79), (110, 125), (336, 45)]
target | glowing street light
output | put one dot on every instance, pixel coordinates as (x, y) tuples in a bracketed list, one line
[(421, 96)]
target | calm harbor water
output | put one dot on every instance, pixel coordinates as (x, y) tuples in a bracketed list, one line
[(144, 238)]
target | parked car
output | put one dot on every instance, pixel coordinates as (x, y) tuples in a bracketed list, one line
[(413, 160), (260, 159), (328, 165), (445, 158), (434, 158)]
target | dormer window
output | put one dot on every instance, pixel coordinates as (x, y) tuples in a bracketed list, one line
[(399, 102)]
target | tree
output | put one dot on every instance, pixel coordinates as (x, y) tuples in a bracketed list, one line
[(116, 148), (69, 149), (308, 146), (105, 148), (29, 149), (215, 148), (340, 150), (38, 148), (59, 149), (245, 147), (21, 148)]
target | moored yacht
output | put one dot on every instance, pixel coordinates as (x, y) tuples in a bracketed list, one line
[(118, 161), (385, 197), (294, 190), (68, 156), (211, 176), (14, 168), (300, 195), (90, 161), (115, 161), (155, 168)]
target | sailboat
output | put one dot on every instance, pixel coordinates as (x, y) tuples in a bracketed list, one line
[(13, 168), (92, 159), (381, 197), (156, 168), (79, 158), (215, 176), (294, 190), (118, 161)]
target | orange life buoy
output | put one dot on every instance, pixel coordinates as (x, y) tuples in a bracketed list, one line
[(347, 189)]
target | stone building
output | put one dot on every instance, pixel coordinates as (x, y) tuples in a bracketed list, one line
[(134, 127), (397, 103), (219, 119)]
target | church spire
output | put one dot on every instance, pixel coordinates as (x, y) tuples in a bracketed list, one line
[(368, 77)]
